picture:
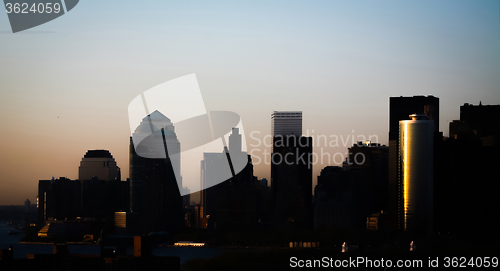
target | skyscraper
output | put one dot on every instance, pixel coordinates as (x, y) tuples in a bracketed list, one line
[(211, 166), (468, 180), (234, 201), (291, 170), (98, 164), (400, 108), (58, 199), (372, 158), (483, 120), (286, 123), (96, 194), (341, 198), (416, 161), (102, 191), (283, 124), (154, 182)]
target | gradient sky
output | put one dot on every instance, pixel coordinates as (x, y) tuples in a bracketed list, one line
[(65, 85)]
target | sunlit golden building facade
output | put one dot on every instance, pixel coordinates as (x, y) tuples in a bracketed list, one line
[(416, 170)]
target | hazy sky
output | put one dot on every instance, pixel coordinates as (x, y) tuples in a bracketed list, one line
[(65, 86)]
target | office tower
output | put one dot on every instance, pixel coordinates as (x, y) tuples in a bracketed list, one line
[(466, 200), (341, 198), (400, 108), (233, 202), (346, 196), (291, 170), (148, 133), (215, 169), (286, 123), (58, 199), (43, 202), (416, 163), (98, 164), (102, 191), (154, 192), (212, 164), (372, 159), (482, 120)]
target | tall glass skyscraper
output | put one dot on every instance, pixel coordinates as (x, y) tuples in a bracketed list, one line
[(399, 109), (155, 174), (416, 163), (291, 177)]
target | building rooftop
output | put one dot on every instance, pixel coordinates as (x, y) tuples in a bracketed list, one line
[(98, 154)]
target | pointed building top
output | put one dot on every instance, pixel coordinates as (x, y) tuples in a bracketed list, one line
[(157, 115), (154, 122)]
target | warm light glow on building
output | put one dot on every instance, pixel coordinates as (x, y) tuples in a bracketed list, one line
[(416, 165), (44, 205), (405, 173), (189, 244)]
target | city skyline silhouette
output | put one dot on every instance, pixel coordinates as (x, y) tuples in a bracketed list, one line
[(336, 62), (249, 135)]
